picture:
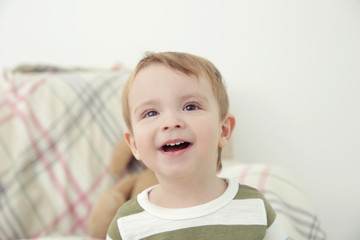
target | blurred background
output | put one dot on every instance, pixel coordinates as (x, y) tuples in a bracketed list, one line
[(292, 69)]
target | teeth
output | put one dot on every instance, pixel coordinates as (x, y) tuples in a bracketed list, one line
[(173, 144)]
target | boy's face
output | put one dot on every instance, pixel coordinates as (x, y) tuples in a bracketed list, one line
[(176, 128)]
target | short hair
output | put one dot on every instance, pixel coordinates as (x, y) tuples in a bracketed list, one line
[(188, 64)]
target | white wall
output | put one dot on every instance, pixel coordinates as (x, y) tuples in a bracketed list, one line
[(292, 68)]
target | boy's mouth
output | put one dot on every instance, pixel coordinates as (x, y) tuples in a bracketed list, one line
[(173, 147)]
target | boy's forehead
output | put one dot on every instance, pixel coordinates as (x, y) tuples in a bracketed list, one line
[(157, 73), (153, 71)]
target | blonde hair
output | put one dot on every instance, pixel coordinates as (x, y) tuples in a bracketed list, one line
[(188, 64)]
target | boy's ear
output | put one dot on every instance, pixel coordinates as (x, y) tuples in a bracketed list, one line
[(227, 127), (129, 138)]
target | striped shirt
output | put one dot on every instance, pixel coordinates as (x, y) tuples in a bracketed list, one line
[(241, 212)]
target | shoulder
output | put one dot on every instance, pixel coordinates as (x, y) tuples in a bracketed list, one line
[(247, 192), (129, 208)]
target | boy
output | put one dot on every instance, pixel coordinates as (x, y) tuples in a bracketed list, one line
[(176, 109)]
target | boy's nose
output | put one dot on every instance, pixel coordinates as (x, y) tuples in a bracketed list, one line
[(172, 122)]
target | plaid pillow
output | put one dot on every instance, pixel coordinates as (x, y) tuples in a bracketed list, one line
[(57, 134)]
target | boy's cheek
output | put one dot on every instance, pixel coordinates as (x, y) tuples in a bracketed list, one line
[(208, 132)]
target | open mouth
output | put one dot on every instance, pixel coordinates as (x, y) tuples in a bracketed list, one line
[(173, 147)]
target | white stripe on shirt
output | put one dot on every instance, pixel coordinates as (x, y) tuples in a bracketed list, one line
[(252, 213)]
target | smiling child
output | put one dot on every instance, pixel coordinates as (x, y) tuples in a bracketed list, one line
[(176, 109)]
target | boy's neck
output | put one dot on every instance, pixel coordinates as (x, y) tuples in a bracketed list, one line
[(187, 193)]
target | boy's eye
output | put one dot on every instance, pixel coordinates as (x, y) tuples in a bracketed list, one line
[(149, 114), (191, 107)]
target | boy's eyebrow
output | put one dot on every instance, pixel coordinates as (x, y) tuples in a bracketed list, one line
[(196, 96)]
